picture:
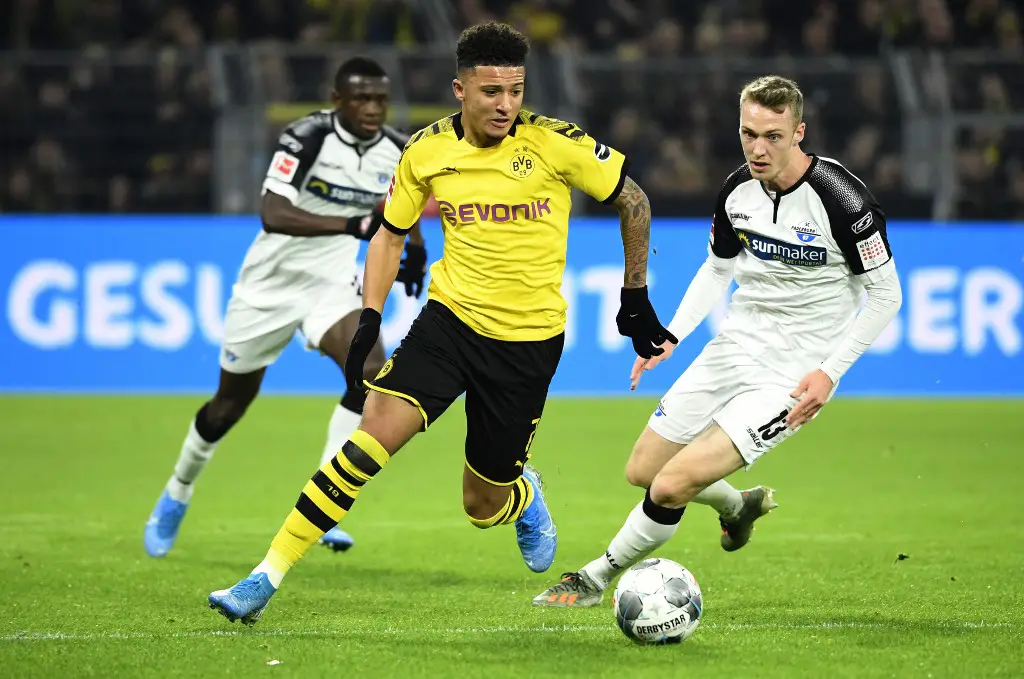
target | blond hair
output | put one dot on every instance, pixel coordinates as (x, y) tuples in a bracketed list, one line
[(776, 93)]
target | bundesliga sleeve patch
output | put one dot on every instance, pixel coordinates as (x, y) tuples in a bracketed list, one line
[(283, 166), (872, 252), (391, 187)]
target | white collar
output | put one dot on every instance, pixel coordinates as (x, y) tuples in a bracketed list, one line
[(351, 139)]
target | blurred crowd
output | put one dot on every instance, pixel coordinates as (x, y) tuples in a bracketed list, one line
[(109, 105), (671, 122), (106, 106), (755, 27)]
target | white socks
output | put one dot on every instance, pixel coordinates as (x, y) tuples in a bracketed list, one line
[(637, 538), (649, 526), (723, 497), (343, 423), (275, 576), (195, 454)]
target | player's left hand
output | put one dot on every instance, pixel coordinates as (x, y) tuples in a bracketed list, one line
[(641, 365), (359, 348), (812, 391), (413, 269), (638, 321)]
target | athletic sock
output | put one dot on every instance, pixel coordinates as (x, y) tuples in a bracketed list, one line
[(519, 499), (344, 421), (196, 451), (647, 527), (324, 501), (723, 497)]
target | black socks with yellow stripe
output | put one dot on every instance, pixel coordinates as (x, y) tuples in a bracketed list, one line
[(518, 500), (325, 500)]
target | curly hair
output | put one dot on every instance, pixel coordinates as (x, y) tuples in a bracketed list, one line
[(491, 44)]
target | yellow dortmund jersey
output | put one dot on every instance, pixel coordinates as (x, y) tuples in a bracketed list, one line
[(505, 215)]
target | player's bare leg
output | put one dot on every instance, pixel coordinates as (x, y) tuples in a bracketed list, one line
[(651, 453), (388, 423), (709, 458), (521, 503), (235, 392), (390, 420), (700, 469), (737, 510), (348, 412), (481, 499)]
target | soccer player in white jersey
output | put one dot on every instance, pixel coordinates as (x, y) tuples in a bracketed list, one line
[(804, 239), (323, 193)]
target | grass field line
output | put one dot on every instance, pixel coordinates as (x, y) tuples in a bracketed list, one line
[(500, 629)]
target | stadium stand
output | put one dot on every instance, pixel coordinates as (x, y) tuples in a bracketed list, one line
[(111, 106)]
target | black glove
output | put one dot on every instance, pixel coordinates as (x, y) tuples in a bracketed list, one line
[(363, 340), (413, 269), (364, 227), (636, 319)]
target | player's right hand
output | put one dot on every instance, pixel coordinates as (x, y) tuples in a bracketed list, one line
[(641, 365), (638, 321), (363, 341)]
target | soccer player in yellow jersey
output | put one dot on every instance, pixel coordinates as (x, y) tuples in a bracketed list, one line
[(493, 326)]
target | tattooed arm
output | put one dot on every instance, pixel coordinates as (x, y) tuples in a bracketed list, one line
[(635, 225)]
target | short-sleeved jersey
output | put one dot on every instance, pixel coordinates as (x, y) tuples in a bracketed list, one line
[(804, 255), (505, 215), (323, 169)]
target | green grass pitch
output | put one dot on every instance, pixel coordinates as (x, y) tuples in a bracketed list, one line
[(819, 592)]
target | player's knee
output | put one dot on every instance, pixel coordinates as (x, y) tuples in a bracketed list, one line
[(223, 412), (374, 419), (673, 490), (390, 420), (481, 507), (638, 473)]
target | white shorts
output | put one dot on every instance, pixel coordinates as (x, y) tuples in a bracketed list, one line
[(254, 337), (725, 385)]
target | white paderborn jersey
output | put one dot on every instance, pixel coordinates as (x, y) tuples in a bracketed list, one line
[(803, 257), (323, 169)]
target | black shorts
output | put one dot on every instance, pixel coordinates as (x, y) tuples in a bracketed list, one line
[(506, 385)]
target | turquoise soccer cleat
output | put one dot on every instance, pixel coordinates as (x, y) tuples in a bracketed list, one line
[(535, 529), (337, 539), (246, 601), (163, 525)]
